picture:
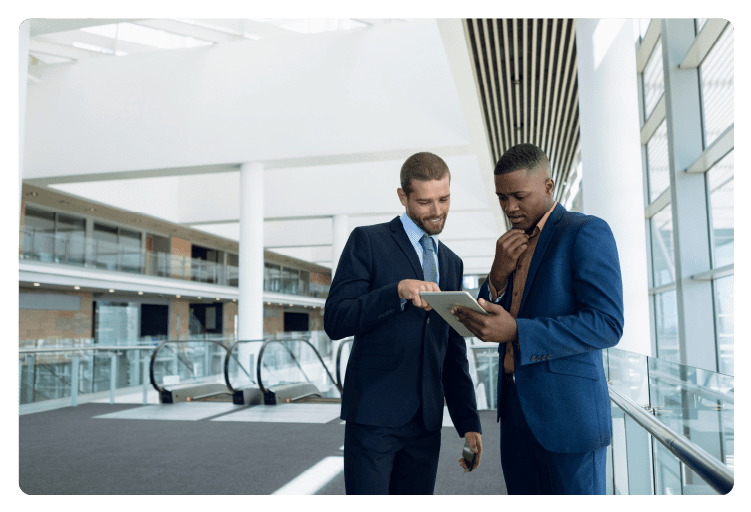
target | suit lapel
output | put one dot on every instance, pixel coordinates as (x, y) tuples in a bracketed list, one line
[(402, 240), (443, 268), (542, 245)]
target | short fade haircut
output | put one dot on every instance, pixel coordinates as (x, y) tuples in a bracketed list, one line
[(424, 167), (523, 156)]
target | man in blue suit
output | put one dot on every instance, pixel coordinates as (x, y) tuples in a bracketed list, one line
[(405, 358), (555, 300)]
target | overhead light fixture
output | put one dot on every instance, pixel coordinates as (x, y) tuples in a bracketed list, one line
[(140, 293), (218, 298), (76, 287), (198, 297), (177, 296), (36, 284), (111, 290)]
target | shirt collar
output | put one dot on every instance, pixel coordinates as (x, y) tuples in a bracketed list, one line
[(541, 224), (415, 232)]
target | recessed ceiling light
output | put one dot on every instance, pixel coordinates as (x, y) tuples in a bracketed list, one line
[(177, 296), (140, 293), (76, 287), (36, 284), (218, 298), (32, 193), (111, 290), (199, 297)]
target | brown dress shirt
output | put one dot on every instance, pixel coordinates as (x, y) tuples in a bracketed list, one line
[(520, 277)]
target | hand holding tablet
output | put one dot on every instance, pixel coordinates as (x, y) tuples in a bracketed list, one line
[(444, 302)]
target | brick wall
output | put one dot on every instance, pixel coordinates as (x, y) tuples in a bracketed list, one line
[(179, 307), (37, 324), (229, 311)]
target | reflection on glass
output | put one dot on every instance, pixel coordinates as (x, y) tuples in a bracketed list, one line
[(667, 470), (666, 325), (721, 184), (725, 322), (654, 80), (717, 86), (658, 166), (663, 266)]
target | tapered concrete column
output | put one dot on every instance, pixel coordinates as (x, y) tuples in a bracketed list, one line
[(23, 73), (250, 303), (612, 181), (340, 231)]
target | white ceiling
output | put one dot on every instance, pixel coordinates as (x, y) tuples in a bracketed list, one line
[(330, 114)]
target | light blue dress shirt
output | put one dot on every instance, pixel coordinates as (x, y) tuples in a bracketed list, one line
[(415, 233)]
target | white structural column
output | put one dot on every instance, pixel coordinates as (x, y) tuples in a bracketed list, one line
[(691, 247), (611, 159), (340, 228), (250, 303), (23, 83)]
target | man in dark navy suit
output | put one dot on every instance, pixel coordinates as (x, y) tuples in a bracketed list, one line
[(555, 299), (405, 358)]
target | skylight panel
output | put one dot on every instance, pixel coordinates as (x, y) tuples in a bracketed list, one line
[(314, 25)]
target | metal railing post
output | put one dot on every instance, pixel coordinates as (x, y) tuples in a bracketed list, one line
[(113, 376), (74, 381), (146, 360), (30, 377)]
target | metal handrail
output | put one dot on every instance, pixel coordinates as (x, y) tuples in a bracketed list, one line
[(162, 345), (229, 355), (81, 349), (711, 470), (260, 358)]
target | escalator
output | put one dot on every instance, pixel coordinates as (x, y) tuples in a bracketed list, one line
[(294, 371), (251, 372), (189, 371)]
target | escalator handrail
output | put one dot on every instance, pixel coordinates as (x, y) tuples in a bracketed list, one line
[(156, 386), (339, 360), (230, 349), (711, 470), (268, 342)]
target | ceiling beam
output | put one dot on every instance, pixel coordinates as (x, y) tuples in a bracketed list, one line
[(49, 26)]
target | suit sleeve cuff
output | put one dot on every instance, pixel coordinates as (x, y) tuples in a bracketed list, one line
[(495, 295)]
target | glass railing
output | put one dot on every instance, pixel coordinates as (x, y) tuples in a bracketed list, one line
[(66, 375), (103, 255), (178, 362), (697, 404)]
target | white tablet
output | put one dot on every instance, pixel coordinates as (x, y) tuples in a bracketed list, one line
[(443, 302)]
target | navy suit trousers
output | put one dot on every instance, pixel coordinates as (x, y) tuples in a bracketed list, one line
[(528, 468), (391, 460)]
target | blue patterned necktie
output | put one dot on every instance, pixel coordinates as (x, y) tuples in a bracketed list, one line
[(429, 270)]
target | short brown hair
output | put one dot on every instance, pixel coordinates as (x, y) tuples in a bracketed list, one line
[(422, 166)]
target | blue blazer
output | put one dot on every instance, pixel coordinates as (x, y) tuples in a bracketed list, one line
[(400, 358), (572, 308)]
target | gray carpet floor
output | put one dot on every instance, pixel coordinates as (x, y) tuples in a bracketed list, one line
[(69, 451)]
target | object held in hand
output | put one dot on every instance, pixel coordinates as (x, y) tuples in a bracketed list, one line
[(468, 455), (444, 302)]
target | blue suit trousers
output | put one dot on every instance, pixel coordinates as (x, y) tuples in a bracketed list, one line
[(528, 468)]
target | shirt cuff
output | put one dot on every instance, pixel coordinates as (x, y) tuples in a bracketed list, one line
[(495, 295)]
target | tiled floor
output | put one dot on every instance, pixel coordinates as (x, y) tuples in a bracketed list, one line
[(185, 411)]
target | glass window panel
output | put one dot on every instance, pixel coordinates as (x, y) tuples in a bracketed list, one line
[(717, 86), (39, 234), (71, 232), (658, 165), (700, 24), (721, 188), (725, 320), (667, 470), (666, 326), (653, 79), (272, 278), (663, 265)]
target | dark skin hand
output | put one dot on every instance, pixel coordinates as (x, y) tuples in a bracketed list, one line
[(498, 326), (475, 444), (508, 248)]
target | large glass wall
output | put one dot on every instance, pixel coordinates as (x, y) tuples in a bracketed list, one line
[(687, 131)]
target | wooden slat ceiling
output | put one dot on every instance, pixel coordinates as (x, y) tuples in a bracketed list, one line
[(525, 71)]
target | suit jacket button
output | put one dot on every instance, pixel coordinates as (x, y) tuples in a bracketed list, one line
[(533, 358)]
